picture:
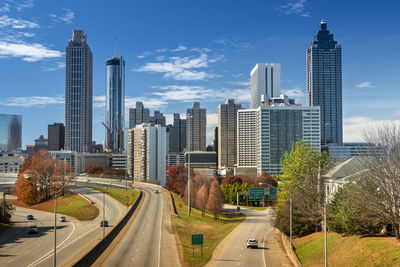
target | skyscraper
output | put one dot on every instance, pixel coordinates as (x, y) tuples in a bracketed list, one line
[(158, 118), (265, 79), (56, 136), (138, 115), (115, 104), (78, 93), (267, 132), (146, 153), (324, 84), (178, 136), (227, 128), (196, 123), (10, 132)]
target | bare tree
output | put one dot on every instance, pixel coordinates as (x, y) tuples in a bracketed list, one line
[(201, 198), (215, 199), (379, 183)]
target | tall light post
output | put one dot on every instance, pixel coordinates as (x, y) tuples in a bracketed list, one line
[(325, 228), (290, 212), (29, 176), (191, 139)]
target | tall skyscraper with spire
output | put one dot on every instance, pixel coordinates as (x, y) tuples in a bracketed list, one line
[(78, 93), (324, 84), (115, 107)]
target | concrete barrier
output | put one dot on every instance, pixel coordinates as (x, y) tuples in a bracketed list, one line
[(289, 251), (96, 252), (172, 201)]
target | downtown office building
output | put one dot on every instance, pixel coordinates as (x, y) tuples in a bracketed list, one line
[(196, 124), (115, 104), (227, 132), (78, 93), (324, 84), (265, 80), (147, 153), (10, 132), (138, 115), (264, 134)]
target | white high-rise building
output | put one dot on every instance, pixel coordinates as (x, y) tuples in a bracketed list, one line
[(78, 93), (267, 132), (146, 152), (265, 79)]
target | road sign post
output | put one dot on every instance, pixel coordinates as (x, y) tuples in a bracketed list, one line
[(197, 239), (256, 193)]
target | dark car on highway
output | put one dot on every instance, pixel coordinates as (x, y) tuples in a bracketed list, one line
[(30, 217), (105, 223)]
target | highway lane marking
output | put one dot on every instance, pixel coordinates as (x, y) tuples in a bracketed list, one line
[(265, 235), (48, 254), (159, 255), (123, 236), (228, 238)]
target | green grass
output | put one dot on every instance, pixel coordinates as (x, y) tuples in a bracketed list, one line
[(348, 250), (70, 204), (214, 231), (123, 196), (3, 227)]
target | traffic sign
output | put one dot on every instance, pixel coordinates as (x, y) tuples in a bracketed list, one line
[(257, 193), (197, 239), (272, 193)]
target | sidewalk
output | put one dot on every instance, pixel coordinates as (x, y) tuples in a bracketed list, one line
[(275, 255)]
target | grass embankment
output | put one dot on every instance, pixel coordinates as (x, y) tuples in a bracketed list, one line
[(214, 231), (348, 250), (120, 194), (71, 205)]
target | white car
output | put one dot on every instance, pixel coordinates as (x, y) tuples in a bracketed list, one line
[(32, 229), (252, 243), (63, 219)]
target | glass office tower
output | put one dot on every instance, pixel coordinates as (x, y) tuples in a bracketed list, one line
[(324, 84), (115, 106), (10, 132)]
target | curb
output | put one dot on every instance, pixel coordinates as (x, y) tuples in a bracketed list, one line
[(289, 251)]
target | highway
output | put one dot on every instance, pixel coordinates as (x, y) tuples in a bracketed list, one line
[(232, 251), (149, 241), (17, 248)]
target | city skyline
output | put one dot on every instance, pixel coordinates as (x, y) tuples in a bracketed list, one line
[(168, 74)]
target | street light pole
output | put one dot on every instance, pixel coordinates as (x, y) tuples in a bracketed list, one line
[(191, 139), (104, 213), (325, 235), (291, 219), (55, 229)]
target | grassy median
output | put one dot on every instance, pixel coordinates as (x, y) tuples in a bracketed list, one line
[(125, 197), (348, 250), (70, 204), (214, 231)]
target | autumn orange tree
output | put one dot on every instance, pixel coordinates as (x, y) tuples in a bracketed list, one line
[(94, 169), (46, 176), (201, 198), (216, 199)]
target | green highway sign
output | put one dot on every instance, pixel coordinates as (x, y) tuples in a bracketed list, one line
[(272, 193), (197, 239), (256, 193)]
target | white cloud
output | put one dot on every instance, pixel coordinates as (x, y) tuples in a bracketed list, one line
[(180, 68), (52, 67), (365, 85), (130, 102), (5, 8), (67, 17), (179, 48), (25, 4), (6, 21), (295, 7), (33, 101), (295, 93), (240, 83), (28, 52), (353, 127)]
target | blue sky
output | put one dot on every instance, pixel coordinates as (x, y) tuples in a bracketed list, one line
[(180, 51)]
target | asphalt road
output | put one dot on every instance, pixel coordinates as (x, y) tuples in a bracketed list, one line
[(233, 251), (18, 248), (141, 245)]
